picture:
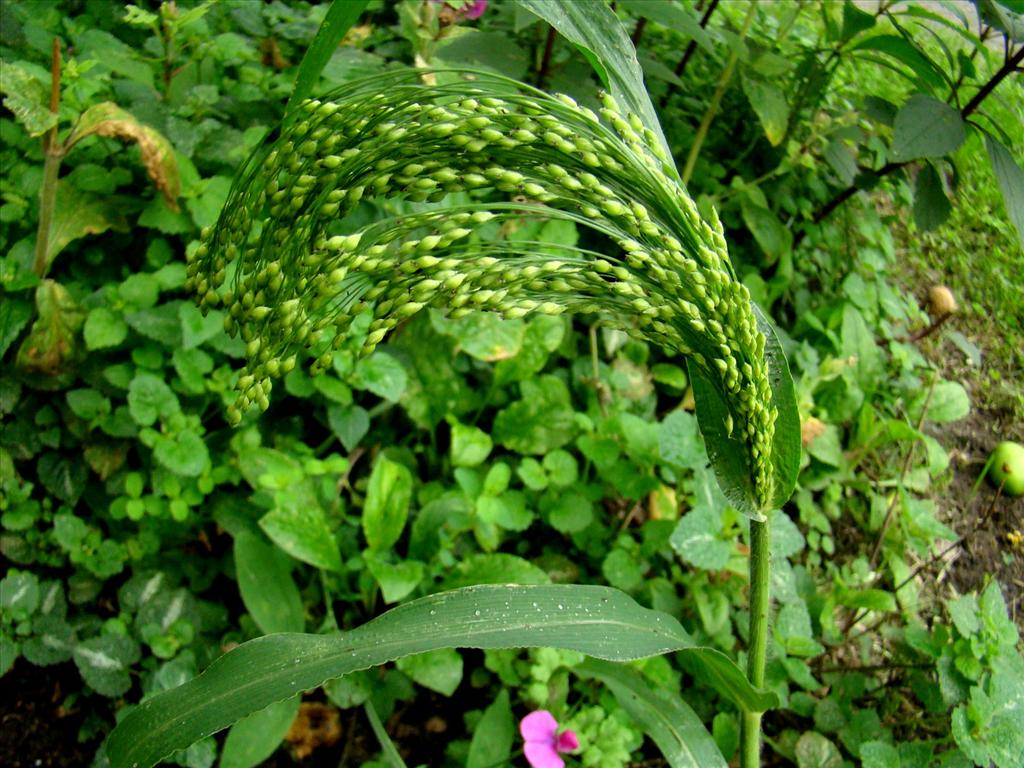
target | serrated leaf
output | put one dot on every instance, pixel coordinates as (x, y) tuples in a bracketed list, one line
[(27, 98), (264, 670), (158, 158), (149, 399), (104, 328), (926, 127), (185, 453), (52, 346), (540, 421)]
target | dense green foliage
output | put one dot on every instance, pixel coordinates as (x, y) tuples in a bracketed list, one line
[(143, 534)]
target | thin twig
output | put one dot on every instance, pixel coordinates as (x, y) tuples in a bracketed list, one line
[(545, 62)]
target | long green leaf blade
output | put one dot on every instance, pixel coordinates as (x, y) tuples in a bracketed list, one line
[(598, 621), (340, 16), (668, 720), (596, 28)]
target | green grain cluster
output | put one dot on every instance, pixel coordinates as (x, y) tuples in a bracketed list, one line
[(289, 286)]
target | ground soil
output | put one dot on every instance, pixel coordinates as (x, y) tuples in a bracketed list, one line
[(36, 730)]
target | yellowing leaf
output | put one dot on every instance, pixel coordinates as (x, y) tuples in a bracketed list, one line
[(108, 119)]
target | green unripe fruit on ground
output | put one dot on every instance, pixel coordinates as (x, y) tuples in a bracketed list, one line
[(1007, 467)]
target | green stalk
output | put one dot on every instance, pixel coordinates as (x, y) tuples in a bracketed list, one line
[(53, 154), (750, 733), (716, 100)]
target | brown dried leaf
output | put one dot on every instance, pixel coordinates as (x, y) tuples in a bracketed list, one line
[(108, 119)]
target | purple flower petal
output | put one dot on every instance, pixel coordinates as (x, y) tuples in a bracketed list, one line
[(539, 726), (476, 10), (542, 754), (567, 741)]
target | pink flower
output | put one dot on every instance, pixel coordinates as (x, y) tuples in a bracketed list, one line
[(469, 10), (544, 742)]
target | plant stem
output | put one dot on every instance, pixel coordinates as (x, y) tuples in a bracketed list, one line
[(1008, 67), (760, 577), (53, 153), (716, 100), (545, 62)]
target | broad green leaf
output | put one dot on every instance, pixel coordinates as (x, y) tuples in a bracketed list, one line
[(266, 585), (184, 454), (597, 621), (149, 399), (349, 424), (770, 105), (907, 53), (949, 402), (494, 735), (815, 751), (697, 538), (387, 503), (62, 476), (157, 154), (855, 21), (494, 568), (679, 440), (931, 206), (485, 335), (396, 580), (255, 738), (669, 721), (926, 127), (596, 29), (495, 51), (340, 16), (1011, 183), (103, 328), (771, 235), (87, 403), (27, 98), (440, 670), (470, 445), (539, 422), (19, 594), (381, 374), (14, 316), (104, 662), (858, 343), (52, 641), (298, 525)]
